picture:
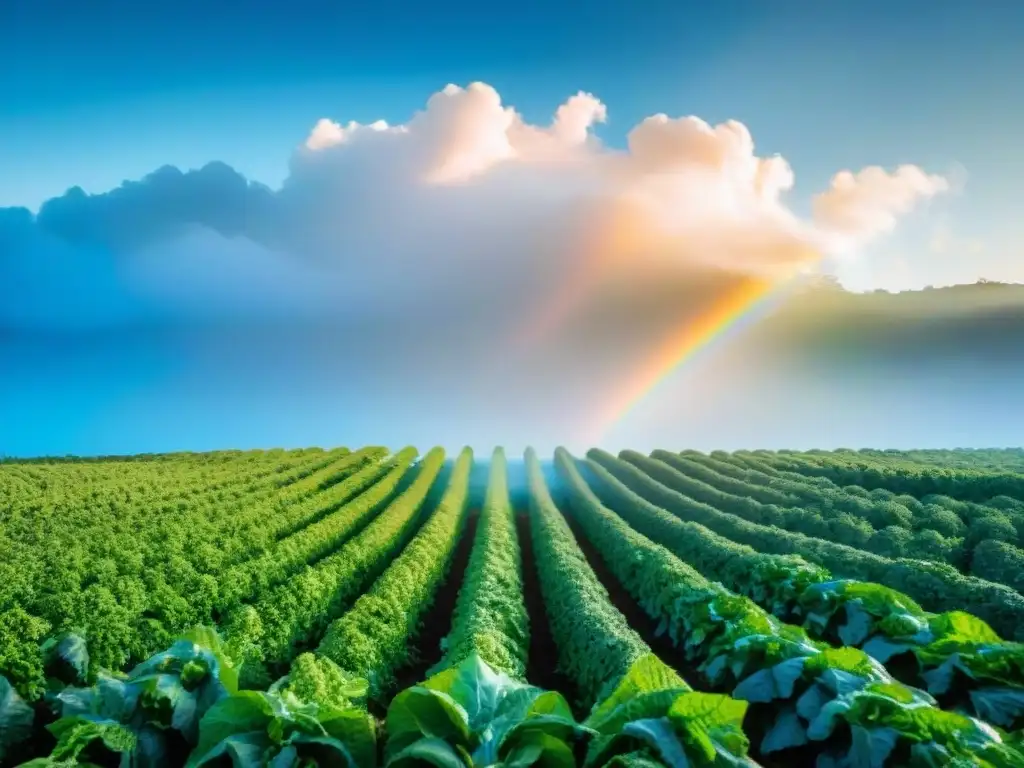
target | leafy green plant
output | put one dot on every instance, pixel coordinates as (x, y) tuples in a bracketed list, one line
[(983, 671), (490, 614), (656, 714), (153, 712), (936, 586), (352, 503), (764, 662), (372, 639), (278, 625), (319, 680), (636, 699), (65, 660), (958, 657), (255, 728), (471, 715), (16, 717), (83, 740)]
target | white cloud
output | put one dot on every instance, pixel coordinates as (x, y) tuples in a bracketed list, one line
[(861, 206), (466, 205), (692, 193)]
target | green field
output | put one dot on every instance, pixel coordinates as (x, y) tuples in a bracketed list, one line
[(370, 607)]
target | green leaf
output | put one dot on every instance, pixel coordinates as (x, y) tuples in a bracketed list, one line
[(540, 749), (243, 712), (207, 638), (550, 703), (641, 706), (565, 730), (244, 750), (150, 748), (76, 733), (163, 697), (659, 734), (858, 625), (355, 730), (872, 746), (1001, 706), (476, 687), (882, 649), (66, 658), (15, 717), (712, 721), (787, 731), (323, 751), (319, 680), (940, 679), (962, 628), (420, 712), (637, 759), (648, 674), (433, 751), (776, 682), (810, 704), (286, 758)]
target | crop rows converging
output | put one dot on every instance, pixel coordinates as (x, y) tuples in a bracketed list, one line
[(373, 607)]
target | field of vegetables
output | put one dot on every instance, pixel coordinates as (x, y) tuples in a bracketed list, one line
[(373, 607)]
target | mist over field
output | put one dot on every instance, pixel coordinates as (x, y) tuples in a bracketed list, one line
[(826, 370)]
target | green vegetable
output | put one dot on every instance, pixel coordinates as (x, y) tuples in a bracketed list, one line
[(16, 717), (472, 715), (254, 728)]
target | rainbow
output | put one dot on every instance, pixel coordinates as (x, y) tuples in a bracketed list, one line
[(624, 231), (750, 300)]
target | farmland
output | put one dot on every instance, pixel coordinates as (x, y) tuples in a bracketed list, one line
[(389, 607)]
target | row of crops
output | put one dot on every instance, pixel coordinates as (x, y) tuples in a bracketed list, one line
[(369, 607)]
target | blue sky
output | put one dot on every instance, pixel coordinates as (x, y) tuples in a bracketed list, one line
[(93, 94), (97, 93)]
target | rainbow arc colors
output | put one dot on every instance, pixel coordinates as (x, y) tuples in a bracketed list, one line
[(626, 232), (736, 308)]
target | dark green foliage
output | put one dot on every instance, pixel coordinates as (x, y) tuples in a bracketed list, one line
[(284, 621), (577, 606), (899, 476), (16, 718), (738, 644), (1001, 562), (633, 696), (788, 493), (374, 483), (126, 551), (151, 715), (882, 620), (253, 728), (832, 516), (490, 615), (993, 526), (941, 520), (935, 586), (890, 542), (470, 715), (801, 583), (372, 639)]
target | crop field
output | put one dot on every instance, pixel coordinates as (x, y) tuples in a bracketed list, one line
[(374, 607)]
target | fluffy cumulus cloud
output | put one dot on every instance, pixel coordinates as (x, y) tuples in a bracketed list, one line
[(866, 204), (465, 208)]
